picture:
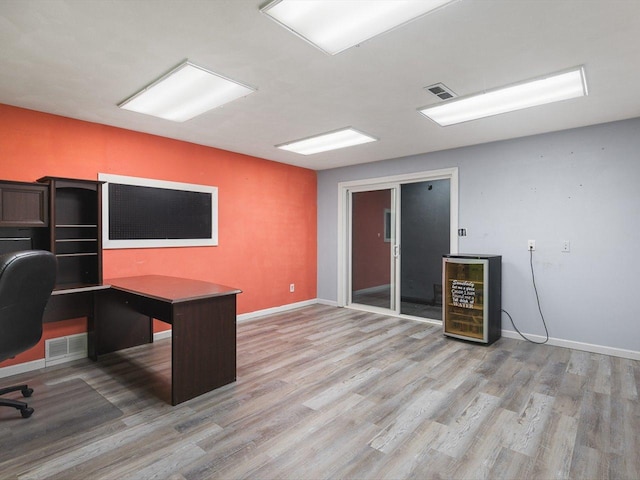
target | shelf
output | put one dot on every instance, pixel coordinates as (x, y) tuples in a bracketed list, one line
[(81, 225), (475, 282), (466, 332), (67, 240), (479, 307), (87, 254), (475, 321)]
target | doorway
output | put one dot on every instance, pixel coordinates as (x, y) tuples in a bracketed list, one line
[(373, 240), (425, 232), (393, 233)]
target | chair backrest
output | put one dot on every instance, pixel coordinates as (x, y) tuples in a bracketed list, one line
[(26, 281)]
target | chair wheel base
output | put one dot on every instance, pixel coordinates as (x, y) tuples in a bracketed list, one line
[(26, 412)]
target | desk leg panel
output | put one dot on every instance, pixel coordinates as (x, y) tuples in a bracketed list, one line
[(203, 346), (117, 326)]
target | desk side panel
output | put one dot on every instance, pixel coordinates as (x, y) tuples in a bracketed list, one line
[(204, 346), (117, 325)]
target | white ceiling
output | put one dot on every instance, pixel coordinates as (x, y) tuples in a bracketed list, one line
[(80, 58)]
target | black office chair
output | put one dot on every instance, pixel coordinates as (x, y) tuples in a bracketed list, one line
[(26, 281)]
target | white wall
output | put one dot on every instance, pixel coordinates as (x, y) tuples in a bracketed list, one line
[(581, 185)]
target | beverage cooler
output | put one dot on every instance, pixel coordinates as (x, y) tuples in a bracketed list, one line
[(471, 307)]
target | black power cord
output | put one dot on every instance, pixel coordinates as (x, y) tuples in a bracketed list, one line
[(535, 289)]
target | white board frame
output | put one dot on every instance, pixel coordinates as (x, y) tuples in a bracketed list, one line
[(108, 243)]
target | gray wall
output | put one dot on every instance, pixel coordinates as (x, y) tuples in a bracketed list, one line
[(580, 185)]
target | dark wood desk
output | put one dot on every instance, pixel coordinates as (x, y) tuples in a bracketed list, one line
[(203, 327), (70, 303)]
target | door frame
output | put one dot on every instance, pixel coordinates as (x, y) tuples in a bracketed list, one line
[(344, 234)]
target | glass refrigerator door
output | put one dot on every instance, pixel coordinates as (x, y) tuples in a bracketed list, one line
[(465, 306)]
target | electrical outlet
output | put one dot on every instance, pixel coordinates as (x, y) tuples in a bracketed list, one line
[(292, 287), (566, 246), (531, 245)]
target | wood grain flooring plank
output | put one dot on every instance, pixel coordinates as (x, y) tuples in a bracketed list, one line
[(243, 440), (568, 399), (589, 464), (459, 398), (481, 454), (387, 402), (623, 382), (513, 384), (289, 440), (510, 464), (410, 417), (363, 465), (427, 331), (461, 433), (624, 438), (456, 373), (341, 389), (594, 422), (524, 436), (580, 363), (549, 380), (129, 438), (322, 454), (434, 466), (553, 458), (326, 392), (414, 450), (601, 381)]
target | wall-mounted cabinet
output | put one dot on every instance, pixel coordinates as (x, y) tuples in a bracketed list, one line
[(472, 305), (23, 205), (75, 230)]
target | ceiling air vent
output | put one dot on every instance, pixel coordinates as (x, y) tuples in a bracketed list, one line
[(441, 91)]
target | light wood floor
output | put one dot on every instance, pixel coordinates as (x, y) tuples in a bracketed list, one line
[(324, 392)]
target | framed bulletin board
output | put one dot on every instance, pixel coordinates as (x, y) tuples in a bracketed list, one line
[(147, 213)]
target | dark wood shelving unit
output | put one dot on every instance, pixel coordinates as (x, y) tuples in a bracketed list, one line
[(75, 230)]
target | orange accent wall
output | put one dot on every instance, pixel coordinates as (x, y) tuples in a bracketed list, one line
[(266, 210)]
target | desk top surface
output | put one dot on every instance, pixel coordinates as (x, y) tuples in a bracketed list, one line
[(171, 289)]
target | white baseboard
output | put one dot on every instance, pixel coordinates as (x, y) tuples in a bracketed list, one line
[(161, 335), (21, 368), (585, 347), (243, 317), (330, 303)]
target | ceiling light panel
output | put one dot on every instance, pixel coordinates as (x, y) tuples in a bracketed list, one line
[(552, 88), (335, 25), (185, 92), (346, 137)]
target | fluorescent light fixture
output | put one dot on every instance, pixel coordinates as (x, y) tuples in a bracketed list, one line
[(335, 25), (185, 92), (552, 88), (342, 138)]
